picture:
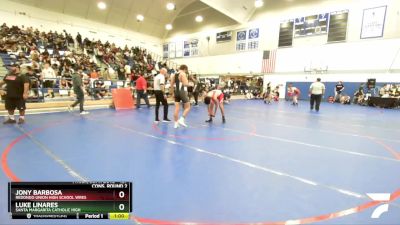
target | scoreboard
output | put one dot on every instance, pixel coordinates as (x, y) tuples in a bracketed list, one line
[(311, 25), (70, 200)]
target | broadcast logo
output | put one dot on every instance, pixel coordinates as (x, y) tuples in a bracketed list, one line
[(381, 197)]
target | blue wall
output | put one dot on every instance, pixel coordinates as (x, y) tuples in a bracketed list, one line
[(349, 88)]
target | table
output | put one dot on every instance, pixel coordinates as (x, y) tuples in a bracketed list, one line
[(384, 102)]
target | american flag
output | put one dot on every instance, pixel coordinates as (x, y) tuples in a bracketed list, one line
[(268, 62)]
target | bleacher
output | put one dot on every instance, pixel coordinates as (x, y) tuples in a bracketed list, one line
[(65, 95)]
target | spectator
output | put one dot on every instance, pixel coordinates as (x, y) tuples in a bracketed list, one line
[(52, 47), (111, 72), (190, 87), (79, 39), (94, 74), (66, 77), (105, 74), (127, 70), (384, 91), (86, 82), (276, 93), (227, 95), (49, 78), (359, 95), (99, 90), (196, 90), (267, 96), (316, 92), (395, 91), (345, 100), (34, 80), (121, 72), (339, 88)]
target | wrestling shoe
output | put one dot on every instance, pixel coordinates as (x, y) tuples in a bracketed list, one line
[(21, 121), (9, 121), (176, 125), (181, 121)]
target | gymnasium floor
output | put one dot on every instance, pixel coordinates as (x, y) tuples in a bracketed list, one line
[(271, 164)]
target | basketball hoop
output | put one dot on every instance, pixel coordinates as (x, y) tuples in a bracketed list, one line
[(316, 70)]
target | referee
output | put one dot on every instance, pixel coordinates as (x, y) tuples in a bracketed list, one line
[(317, 90), (161, 97), (17, 93)]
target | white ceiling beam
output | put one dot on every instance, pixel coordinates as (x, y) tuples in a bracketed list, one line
[(109, 11), (178, 11), (193, 12), (223, 7), (124, 25)]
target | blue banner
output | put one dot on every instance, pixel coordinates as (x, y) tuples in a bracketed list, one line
[(254, 33), (241, 35)]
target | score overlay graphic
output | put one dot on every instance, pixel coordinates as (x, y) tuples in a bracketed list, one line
[(70, 200)]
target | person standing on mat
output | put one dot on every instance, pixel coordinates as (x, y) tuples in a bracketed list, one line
[(49, 79), (339, 88), (196, 90), (215, 97), (267, 96), (141, 90), (161, 97), (181, 82), (317, 90), (17, 93), (79, 91)]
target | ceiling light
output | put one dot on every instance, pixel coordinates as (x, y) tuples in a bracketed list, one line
[(168, 27), (170, 6), (140, 18), (258, 3), (101, 5), (199, 19)]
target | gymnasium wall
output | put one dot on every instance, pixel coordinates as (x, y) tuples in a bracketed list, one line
[(349, 89), (330, 78), (355, 54), (46, 20)]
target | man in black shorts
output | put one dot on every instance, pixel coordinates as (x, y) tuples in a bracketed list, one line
[(181, 82), (17, 93)]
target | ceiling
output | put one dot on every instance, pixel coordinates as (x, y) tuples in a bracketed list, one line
[(122, 13), (119, 13)]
